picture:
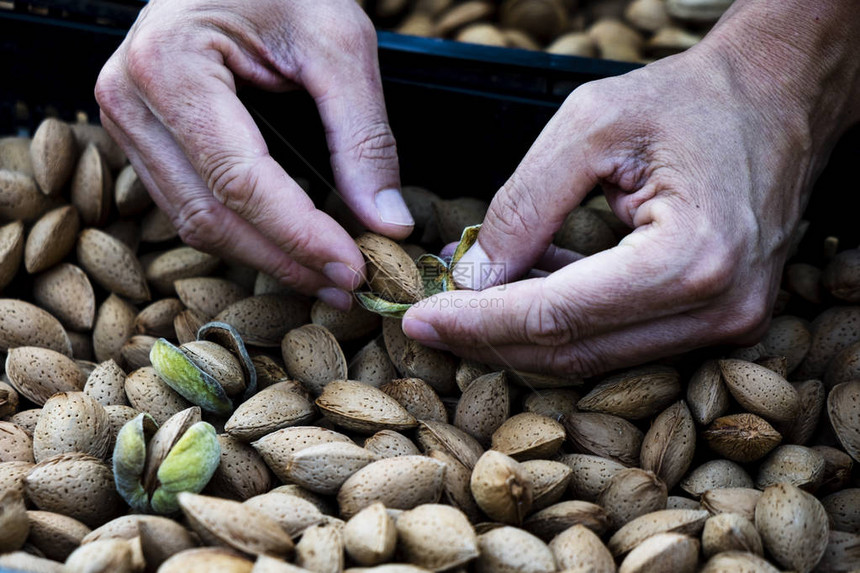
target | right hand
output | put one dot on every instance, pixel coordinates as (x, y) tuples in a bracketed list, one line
[(168, 97)]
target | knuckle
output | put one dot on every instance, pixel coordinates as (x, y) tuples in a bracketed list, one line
[(581, 360), (548, 322), (357, 34), (143, 59), (232, 183), (374, 142), (109, 89), (199, 226), (709, 275), (511, 215)]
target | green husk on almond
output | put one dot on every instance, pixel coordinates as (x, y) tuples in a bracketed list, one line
[(195, 385)]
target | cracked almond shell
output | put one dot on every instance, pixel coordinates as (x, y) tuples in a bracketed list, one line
[(391, 273)]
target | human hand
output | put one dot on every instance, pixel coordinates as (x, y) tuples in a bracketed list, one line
[(710, 162), (168, 97)]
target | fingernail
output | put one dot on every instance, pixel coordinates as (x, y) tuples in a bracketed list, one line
[(342, 275), (475, 271), (392, 209), (335, 297), (421, 331)]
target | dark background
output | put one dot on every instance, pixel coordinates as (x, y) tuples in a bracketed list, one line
[(463, 115)]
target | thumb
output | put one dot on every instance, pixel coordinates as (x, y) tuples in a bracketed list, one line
[(531, 206), (347, 89)]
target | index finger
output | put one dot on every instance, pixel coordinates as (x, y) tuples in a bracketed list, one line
[(196, 101)]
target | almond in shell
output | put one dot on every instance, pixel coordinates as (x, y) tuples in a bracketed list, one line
[(707, 395), (25, 324), (263, 320), (832, 330), (370, 536), (843, 509), (715, 474), (241, 473), (760, 390), (205, 559), (71, 422), (54, 154), (178, 263), (401, 482), (324, 467), (553, 520), (313, 356), (276, 447), (417, 397), (270, 409), (156, 319), (92, 186), (549, 481), (391, 273), (793, 526), (672, 551), (14, 523), (11, 250), (77, 485), (112, 265), (683, 521), (51, 238), (451, 439), (790, 463), (388, 444), (20, 197), (457, 485), (501, 488), (372, 365), (39, 373), (578, 548), (730, 532), (66, 292), (436, 536), (130, 195), (630, 493), (741, 437), (528, 436), (15, 154), (843, 407), (292, 513), (511, 550), (208, 295), (321, 548), (16, 445), (735, 500), (604, 435), (54, 535), (235, 525), (635, 393), (362, 408), (484, 407), (413, 360), (114, 325), (147, 392), (590, 474)]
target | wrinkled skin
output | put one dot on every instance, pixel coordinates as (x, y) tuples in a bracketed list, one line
[(168, 96), (709, 156)]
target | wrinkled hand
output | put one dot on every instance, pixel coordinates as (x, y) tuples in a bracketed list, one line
[(168, 96), (713, 184)]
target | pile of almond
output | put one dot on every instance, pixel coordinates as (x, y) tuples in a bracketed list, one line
[(623, 30), (163, 410)]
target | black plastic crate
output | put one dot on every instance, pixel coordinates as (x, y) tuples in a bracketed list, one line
[(463, 115)]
